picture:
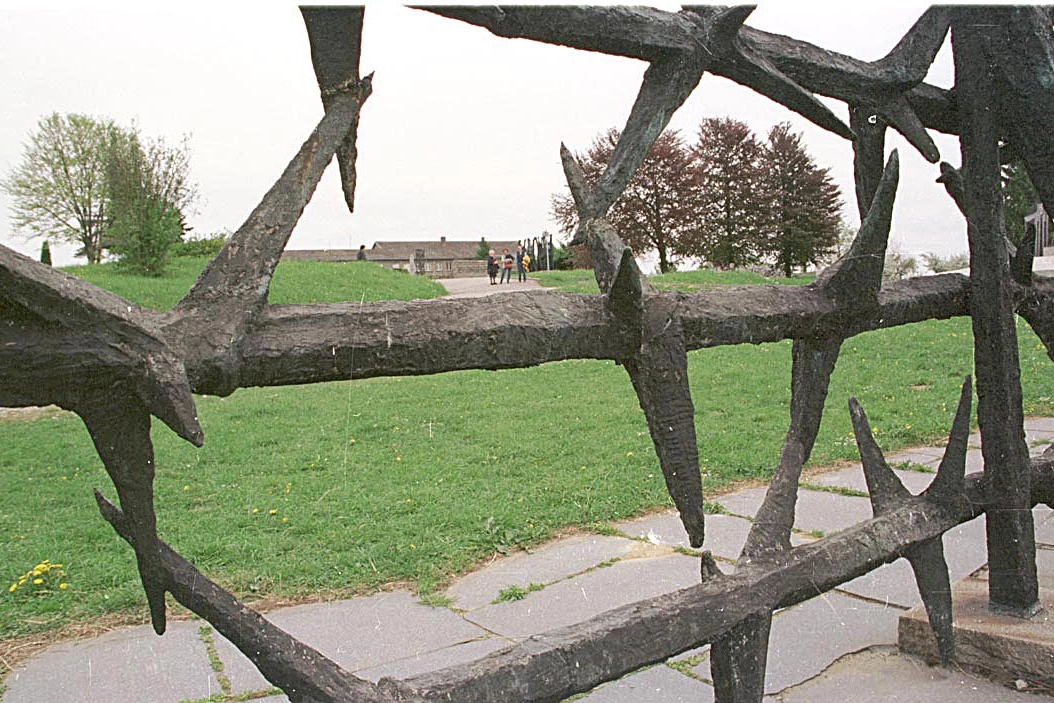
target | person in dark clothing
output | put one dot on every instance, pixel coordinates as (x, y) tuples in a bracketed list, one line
[(521, 272), (507, 261), (492, 267), (361, 256)]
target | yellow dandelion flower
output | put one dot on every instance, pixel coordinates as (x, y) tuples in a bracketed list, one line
[(398, 458), (629, 453), (63, 586), (12, 587), (272, 511), (37, 582), (285, 519), (186, 488), (255, 510)]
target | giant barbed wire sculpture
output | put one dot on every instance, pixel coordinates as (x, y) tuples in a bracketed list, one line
[(66, 342)]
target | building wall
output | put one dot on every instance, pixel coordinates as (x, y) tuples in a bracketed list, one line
[(1041, 221), (444, 268)]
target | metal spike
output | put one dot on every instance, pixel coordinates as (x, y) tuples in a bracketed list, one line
[(738, 659), (666, 85), (726, 23), (931, 575), (625, 299), (856, 278), (885, 487), (911, 58), (1022, 259), (708, 568), (585, 199), (947, 487), (757, 72), (903, 117), (952, 179)]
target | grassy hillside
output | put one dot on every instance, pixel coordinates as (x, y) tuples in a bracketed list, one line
[(342, 487), (294, 282)]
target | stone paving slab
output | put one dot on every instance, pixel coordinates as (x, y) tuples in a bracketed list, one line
[(1045, 565), (834, 625), (433, 661), (475, 287), (1045, 531), (815, 510), (357, 633), (123, 666), (964, 549), (1045, 424), (588, 595), (725, 534), (745, 502), (927, 456), (544, 565), (838, 625), (880, 675), (853, 478), (659, 684), (829, 512)]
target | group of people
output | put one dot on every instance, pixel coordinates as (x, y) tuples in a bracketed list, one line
[(521, 260)]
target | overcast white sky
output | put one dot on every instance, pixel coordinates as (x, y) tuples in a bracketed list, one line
[(460, 137)]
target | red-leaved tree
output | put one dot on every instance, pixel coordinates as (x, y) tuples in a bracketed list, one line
[(732, 207), (804, 204), (659, 206)]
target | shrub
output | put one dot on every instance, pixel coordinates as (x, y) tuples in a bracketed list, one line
[(206, 246)]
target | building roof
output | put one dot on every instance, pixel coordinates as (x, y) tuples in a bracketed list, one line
[(442, 250)]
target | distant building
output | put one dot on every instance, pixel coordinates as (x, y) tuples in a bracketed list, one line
[(442, 259), (1039, 219)]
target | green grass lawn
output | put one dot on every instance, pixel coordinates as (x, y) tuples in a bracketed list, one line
[(294, 282), (342, 487), (582, 281)]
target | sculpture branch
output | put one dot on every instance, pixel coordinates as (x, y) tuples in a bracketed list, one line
[(785, 69), (290, 344), (232, 289), (52, 319), (571, 660), (299, 670), (335, 35)]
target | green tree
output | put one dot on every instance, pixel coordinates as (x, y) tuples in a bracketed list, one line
[(148, 190), (45, 253), (1019, 199), (941, 264), (804, 204), (732, 212), (898, 264), (657, 208), (483, 249), (59, 187)]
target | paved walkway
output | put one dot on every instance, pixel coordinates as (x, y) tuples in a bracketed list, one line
[(476, 287), (836, 647)]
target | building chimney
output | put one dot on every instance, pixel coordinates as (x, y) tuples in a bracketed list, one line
[(442, 240)]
